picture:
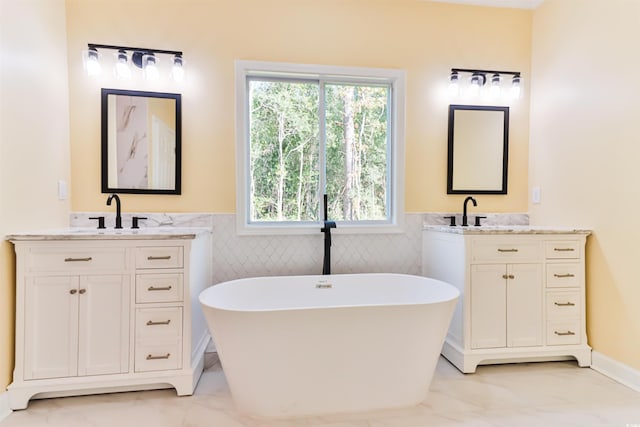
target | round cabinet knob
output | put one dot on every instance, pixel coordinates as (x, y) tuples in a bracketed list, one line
[(82, 291), (73, 291)]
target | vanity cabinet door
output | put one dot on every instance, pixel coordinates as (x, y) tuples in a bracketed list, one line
[(51, 327), (506, 305), (76, 325), (524, 305), (103, 345), (488, 306)]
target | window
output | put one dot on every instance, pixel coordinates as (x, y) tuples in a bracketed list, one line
[(304, 131)]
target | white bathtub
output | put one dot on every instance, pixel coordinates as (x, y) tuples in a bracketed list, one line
[(310, 345)]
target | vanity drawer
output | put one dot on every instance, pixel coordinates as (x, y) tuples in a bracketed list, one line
[(565, 275), (562, 249), (563, 332), (505, 250), (159, 257), (158, 322), (563, 305), (71, 258), (158, 355), (158, 288)]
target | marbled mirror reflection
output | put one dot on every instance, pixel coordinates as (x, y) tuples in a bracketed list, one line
[(140, 142)]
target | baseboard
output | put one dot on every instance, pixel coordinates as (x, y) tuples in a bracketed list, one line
[(615, 370), (4, 406)]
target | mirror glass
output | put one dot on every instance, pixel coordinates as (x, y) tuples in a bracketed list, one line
[(141, 146), (478, 148)]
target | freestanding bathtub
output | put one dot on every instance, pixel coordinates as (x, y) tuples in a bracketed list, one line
[(310, 345)]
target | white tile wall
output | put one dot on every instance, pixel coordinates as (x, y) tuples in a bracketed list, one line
[(242, 256), (237, 256)]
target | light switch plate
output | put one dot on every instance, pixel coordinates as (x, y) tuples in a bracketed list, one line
[(62, 190), (535, 195)]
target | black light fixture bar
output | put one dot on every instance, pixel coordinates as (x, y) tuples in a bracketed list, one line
[(472, 71), (134, 49)]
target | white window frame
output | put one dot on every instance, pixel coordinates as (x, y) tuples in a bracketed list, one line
[(394, 77)]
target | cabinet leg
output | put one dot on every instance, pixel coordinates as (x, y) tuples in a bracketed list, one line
[(469, 368), (183, 386), (465, 364), (583, 358), (19, 399)]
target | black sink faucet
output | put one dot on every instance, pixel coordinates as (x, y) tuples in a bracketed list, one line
[(328, 225), (118, 216), (464, 210)]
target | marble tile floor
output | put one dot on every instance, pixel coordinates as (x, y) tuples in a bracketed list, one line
[(532, 394)]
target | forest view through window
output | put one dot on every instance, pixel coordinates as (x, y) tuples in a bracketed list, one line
[(309, 137)]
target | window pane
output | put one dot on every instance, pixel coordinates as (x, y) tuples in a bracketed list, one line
[(356, 151), (283, 127)]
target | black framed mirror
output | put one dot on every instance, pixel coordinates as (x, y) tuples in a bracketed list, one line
[(478, 149), (141, 142)]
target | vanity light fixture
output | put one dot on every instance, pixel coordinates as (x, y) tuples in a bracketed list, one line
[(143, 58), (478, 80)]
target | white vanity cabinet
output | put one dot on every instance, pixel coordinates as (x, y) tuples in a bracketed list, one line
[(108, 312), (522, 293)]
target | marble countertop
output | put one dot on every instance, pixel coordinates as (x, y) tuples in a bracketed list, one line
[(81, 233), (506, 229)]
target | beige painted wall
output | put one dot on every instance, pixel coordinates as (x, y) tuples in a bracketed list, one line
[(585, 148), (426, 39), (34, 137)]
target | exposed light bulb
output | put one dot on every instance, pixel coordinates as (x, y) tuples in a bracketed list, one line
[(496, 88), (515, 87), (122, 69), (474, 88), (151, 72), (92, 63), (454, 83), (177, 71)]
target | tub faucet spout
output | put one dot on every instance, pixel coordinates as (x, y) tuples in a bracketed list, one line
[(464, 210), (118, 214)]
